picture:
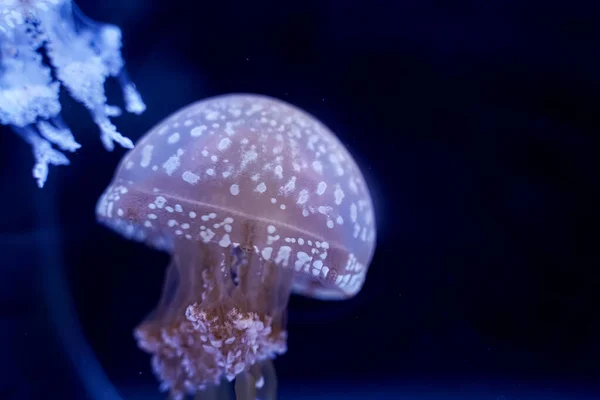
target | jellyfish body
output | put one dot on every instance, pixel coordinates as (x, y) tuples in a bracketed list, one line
[(254, 199), (84, 54)]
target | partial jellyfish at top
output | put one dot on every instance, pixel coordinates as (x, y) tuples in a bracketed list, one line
[(83, 53), (254, 199)]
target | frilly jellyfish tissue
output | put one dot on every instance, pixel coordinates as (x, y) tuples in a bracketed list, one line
[(83, 54)]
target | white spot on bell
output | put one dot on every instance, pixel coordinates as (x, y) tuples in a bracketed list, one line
[(266, 252), (146, 155), (302, 197), (353, 212), (339, 195), (190, 177), (317, 167), (321, 188), (225, 241), (261, 188), (198, 130), (224, 144), (173, 162), (174, 138)]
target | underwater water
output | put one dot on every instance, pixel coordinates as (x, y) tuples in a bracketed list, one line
[(475, 126)]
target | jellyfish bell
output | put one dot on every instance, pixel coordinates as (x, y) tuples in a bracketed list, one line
[(254, 199)]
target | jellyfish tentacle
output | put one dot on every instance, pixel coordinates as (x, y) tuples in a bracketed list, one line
[(43, 153), (58, 135), (212, 392), (269, 389), (170, 291), (245, 387), (83, 53)]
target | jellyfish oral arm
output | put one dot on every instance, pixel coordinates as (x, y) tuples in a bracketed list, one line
[(83, 53), (234, 324)]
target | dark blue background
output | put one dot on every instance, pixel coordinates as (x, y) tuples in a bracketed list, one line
[(476, 124)]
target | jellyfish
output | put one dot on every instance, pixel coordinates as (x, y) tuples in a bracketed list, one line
[(254, 199), (84, 53)]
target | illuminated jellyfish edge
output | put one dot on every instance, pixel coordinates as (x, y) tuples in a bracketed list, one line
[(83, 54)]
